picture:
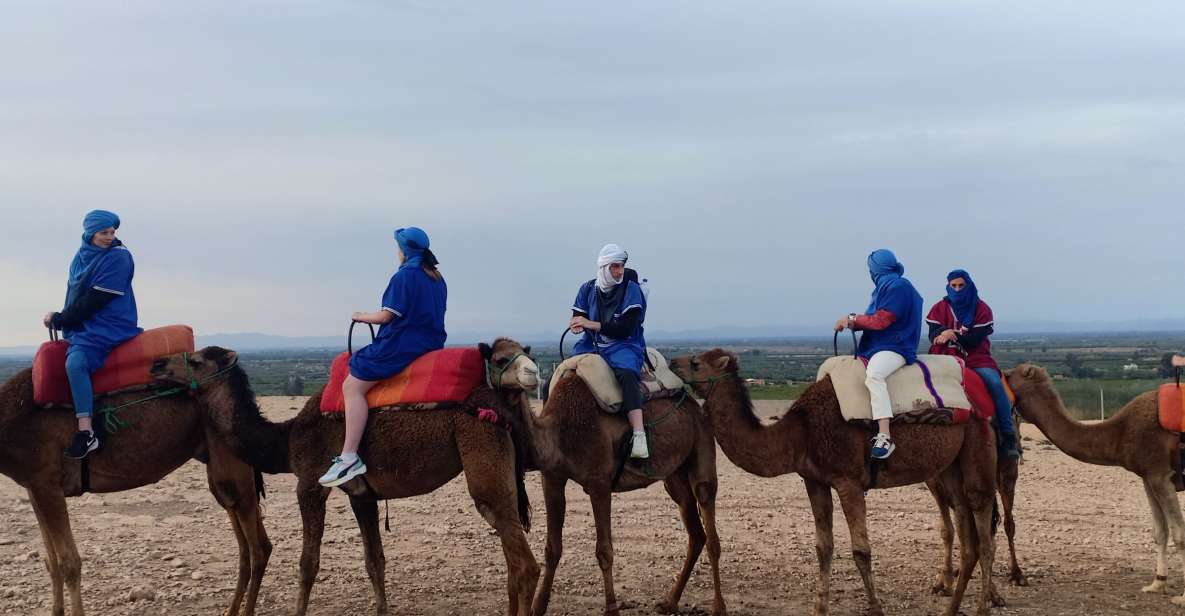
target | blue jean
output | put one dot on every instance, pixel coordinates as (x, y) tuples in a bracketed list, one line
[(78, 371), (995, 386)]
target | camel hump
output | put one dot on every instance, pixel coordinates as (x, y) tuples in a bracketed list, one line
[(125, 368), (930, 390), (596, 373)]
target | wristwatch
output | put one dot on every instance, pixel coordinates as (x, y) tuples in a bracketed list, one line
[(851, 317)]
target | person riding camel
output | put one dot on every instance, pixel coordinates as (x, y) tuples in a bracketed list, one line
[(609, 311), (892, 326)]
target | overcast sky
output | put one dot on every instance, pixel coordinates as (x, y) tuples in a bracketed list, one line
[(749, 155)]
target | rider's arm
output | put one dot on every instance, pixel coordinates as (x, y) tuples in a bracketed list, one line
[(880, 320), (83, 308)]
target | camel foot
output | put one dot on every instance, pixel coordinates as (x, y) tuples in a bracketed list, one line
[(997, 600), (1157, 587), (1179, 601), (666, 607), (876, 609), (943, 588), (1016, 577)]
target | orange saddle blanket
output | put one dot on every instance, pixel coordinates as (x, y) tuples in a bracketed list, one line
[(439, 377), (126, 366), (1171, 404)]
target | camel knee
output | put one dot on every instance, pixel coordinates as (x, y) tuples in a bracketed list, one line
[(70, 568), (605, 557), (552, 554)]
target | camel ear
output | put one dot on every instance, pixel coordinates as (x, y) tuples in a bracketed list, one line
[(487, 351), (725, 363), (223, 358), (527, 350)]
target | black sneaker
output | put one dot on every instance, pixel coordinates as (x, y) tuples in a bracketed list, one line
[(1009, 447), (84, 442)]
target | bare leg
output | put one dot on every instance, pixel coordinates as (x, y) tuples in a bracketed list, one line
[(635, 419), (851, 498), (311, 498), (680, 491), (553, 496), (822, 508), (357, 411), (366, 512), (882, 425)]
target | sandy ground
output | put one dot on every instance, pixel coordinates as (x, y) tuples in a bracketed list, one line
[(1084, 542)]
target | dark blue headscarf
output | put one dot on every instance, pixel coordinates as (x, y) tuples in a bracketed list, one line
[(413, 242), (884, 268), (963, 302), (88, 255)]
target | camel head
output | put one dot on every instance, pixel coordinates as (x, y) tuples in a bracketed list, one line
[(700, 371), (1028, 381), (510, 365), (189, 368)]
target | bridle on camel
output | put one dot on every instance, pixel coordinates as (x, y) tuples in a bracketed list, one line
[(113, 423)]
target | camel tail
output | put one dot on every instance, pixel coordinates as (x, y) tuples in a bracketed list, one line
[(518, 437)]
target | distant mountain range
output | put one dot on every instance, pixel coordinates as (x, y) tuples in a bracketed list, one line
[(252, 341)]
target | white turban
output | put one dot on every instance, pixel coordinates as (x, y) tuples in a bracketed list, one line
[(611, 253)]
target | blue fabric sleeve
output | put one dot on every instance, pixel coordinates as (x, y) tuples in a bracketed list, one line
[(633, 300), (114, 273), (580, 304), (397, 296)]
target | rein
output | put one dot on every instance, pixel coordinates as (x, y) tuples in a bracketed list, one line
[(113, 423)]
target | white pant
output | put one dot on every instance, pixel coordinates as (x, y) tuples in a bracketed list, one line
[(880, 366)]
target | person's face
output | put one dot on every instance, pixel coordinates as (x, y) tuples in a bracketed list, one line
[(399, 254), (104, 238), (958, 284), (617, 271)]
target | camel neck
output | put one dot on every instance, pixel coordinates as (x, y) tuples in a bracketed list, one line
[(235, 415), (767, 451), (544, 443), (1091, 443)]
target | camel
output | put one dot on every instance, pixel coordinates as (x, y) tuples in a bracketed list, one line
[(409, 453), (161, 434), (813, 440), (571, 438), (1007, 472), (1132, 438)]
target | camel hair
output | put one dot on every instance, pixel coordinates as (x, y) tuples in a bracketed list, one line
[(160, 435), (1132, 438), (813, 440), (571, 438), (408, 454)]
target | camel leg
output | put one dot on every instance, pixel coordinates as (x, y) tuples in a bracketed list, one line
[(50, 506), (490, 477), (602, 505), (232, 482), (705, 495), (1166, 497), (366, 512), (251, 520), (244, 565), (679, 488), (968, 555), (984, 541), (851, 499), (945, 581), (556, 502), (51, 561), (822, 508), (1160, 535), (311, 497), (1007, 485)]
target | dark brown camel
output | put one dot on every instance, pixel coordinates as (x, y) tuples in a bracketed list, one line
[(813, 440), (573, 439), (408, 454), (1132, 439), (159, 437)]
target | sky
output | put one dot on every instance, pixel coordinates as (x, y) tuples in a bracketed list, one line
[(749, 155)]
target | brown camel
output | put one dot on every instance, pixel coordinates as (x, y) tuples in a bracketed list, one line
[(813, 440), (573, 439), (408, 453), (1132, 438), (159, 436), (1007, 471)]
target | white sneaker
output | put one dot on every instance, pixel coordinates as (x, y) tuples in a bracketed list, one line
[(640, 450), (882, 446), (340, 472)]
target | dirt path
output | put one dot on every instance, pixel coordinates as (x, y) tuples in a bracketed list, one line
[(1084, 542)]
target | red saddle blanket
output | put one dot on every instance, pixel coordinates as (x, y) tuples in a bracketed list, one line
[(444, 376), (1171, 404), (982, 404), (126, 366)]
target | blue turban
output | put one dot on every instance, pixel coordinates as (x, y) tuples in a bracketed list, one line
[(413, 242), (88, 254), (963, 302), (884, 268)]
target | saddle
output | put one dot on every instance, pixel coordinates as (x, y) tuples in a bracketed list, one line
[(657, 382), (437, 379), (125, 369), (935, 390)]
